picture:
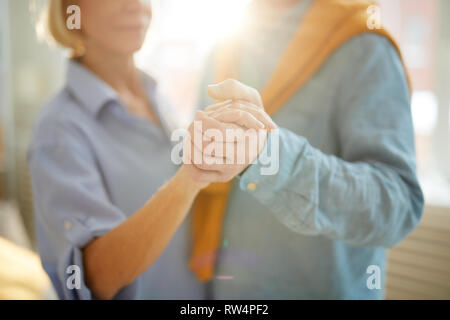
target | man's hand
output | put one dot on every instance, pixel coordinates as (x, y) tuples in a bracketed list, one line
[(228, 136), (231, 89)]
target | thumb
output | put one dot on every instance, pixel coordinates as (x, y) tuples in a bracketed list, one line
[(231, 89)]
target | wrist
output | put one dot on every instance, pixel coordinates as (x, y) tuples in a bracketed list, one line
[(188, 182)]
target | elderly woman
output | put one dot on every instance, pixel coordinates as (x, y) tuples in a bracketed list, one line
[(110, 204)]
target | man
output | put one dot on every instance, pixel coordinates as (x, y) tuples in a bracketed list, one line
[(346, 188)]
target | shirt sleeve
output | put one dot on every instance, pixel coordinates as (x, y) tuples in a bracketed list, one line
[(71, 208), (369, 194)]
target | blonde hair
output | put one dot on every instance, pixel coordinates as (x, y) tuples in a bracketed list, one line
[(52, 27)]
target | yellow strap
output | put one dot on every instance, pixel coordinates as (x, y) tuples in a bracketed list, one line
[(327, 25)]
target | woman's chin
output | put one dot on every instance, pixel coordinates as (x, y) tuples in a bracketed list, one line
[(129, 47)]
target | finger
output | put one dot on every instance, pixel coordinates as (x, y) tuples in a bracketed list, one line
[(196, 157), (191, 155), (226, 154), (247, 103), (205, 172), (206, 161), (240, 117), (214, 155), (207, 128), (257, 112), (216, 106), (224, 145), (234, 90), (218, 149), (219, 156)]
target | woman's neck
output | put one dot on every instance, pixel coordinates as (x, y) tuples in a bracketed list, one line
[(119, 71)]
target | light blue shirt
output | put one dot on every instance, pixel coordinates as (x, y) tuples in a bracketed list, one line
[(93, 164), (346, 189)]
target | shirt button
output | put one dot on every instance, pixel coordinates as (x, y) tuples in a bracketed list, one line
[(67, 225), (251, 186)]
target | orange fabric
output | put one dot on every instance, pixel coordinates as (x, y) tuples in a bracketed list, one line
[(327, 25)]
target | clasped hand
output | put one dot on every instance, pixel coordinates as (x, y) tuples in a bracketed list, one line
[(225, 138)]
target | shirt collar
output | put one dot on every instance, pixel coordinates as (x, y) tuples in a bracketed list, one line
[(93, 92), (90, 90)]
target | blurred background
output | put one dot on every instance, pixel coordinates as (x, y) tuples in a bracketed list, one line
[(178, 43)]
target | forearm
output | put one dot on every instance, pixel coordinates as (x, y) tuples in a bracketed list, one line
[(120, 256), (364, 203)]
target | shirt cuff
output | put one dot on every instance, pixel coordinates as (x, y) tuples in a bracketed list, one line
[(274, 180), (257, 177)]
